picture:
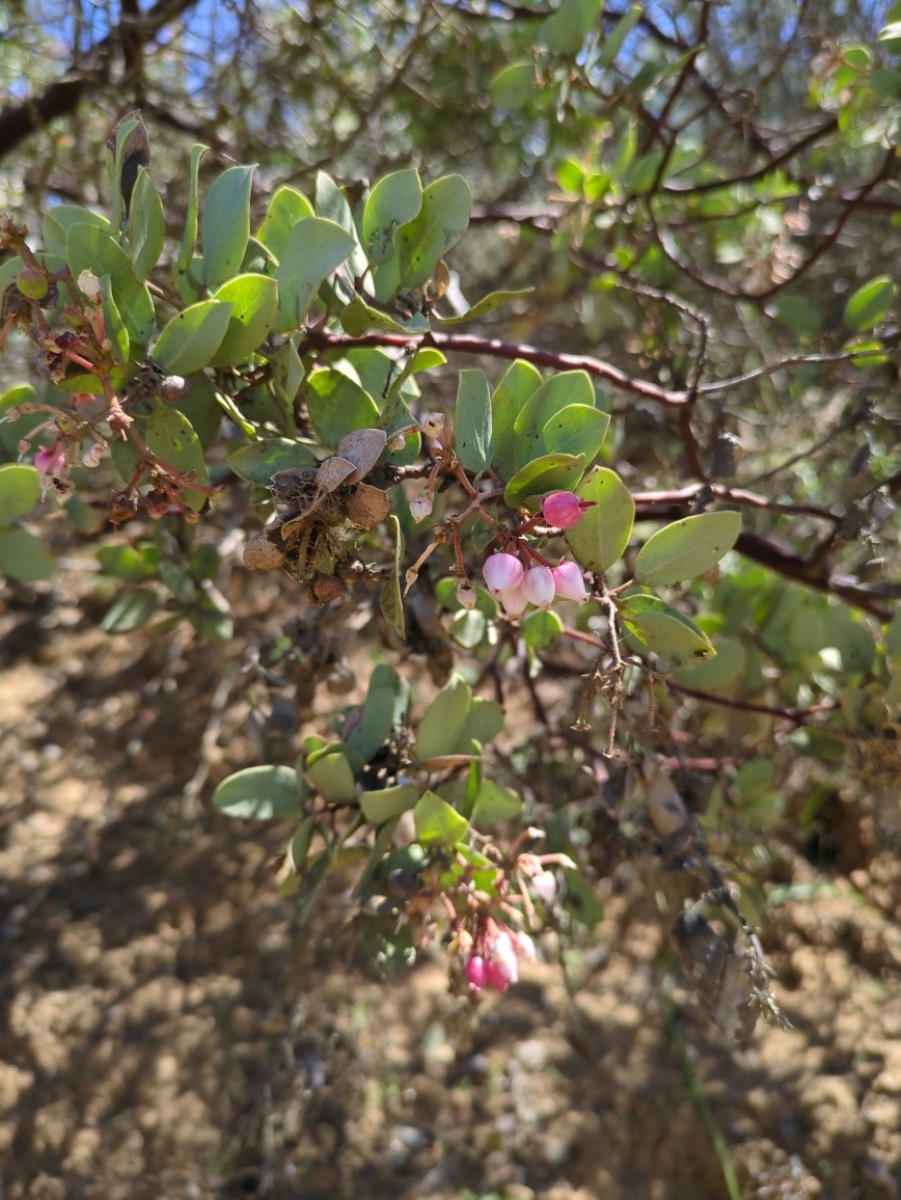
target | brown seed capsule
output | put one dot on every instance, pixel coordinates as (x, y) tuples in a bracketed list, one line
[(123, 506), (260, 554), (367, 506), (327, 587), (333, 472), (362, 448), (174, 387)]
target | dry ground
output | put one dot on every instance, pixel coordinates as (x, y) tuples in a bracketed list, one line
[(167, 1030)]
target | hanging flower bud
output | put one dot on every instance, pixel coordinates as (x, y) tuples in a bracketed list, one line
[(538, 586), (477, 972), (503, 969), (564, 509), (545, 887), (569, 583), (514, 603), (421, 506), (503, 573)]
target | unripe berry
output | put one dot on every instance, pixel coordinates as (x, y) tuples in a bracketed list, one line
[(564, 509), (32, 283)]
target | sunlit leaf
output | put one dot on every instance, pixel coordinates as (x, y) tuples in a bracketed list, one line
[(259, 793), (687, 548), (189, 340), (548, 473), (171, 437), (395, 200), (286, 208), (225, 224), (870, 304), (146, 226), (389, 802), (253, 300), (315, 247), (435, 821), (601, 536), (442, 723), (472, 420), (20, 490)]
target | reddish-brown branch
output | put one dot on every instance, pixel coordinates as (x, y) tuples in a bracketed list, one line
[(462, 343)]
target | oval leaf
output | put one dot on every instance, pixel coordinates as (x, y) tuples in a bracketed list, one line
[(496, 803), (670, 635), (436, 821), (599, 539), (687, 548), (20, 490), (332, 776), (393, 202), (189, 341), (338, 405), (286, 208), (225, 224), (146, 226), (870, 304), (472, 432), (259, 461), (576, 429), (443, 722), (259, 793), (549, 473), (315, 247), (389, 802), (23, 557), (254, 300), (171, 437), (130, 611)]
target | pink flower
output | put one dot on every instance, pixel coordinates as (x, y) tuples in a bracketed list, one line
[(545, 886), (503, 573), (502, 967), (477, 972), (524, 946), (538, 586), (564, 509), (569, 583), (515, 602), (50, 464)]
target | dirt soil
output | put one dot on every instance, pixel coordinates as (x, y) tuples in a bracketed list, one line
[(168, 1030)]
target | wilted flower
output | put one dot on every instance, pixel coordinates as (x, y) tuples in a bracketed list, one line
[(51, 464), (538, 586), (569, 583), (503, 573), (421, 506), (564, 509), (466, 593), (433, 424)]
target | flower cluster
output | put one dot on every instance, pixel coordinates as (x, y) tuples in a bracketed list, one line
[(516, 586), (493, 959)]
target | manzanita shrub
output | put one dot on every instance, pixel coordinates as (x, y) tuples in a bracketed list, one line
[(296, 354)]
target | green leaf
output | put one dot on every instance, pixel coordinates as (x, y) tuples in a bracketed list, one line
[(171, 437), (57, 222), (722, 675), (299, 846), (357, 317), (665, 632), (384, 712), (253, 300), (391, 601), (113, 325), (89, 248), (541, 629), (472, 433), (687, 548), (23, 557), (259, 793), (259, 461), (599, 539), (125, 562), (20, 490), (514, 86), (559, 392), (483, 723), (191, 338), (130, 611), (330, 772), (225, 224), (468, 628), (495, 803), (338, 405), (611, 46), (870, 304), (486, 305), (286, 208), (576, 429), (189, 237), (331, 203), (389, 802), (314, 249), (549, 473), (393, 202), (436, 821), (518, 384), (146, 226), (581, 899), (443, 722), (442, 221), (565, 30)]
